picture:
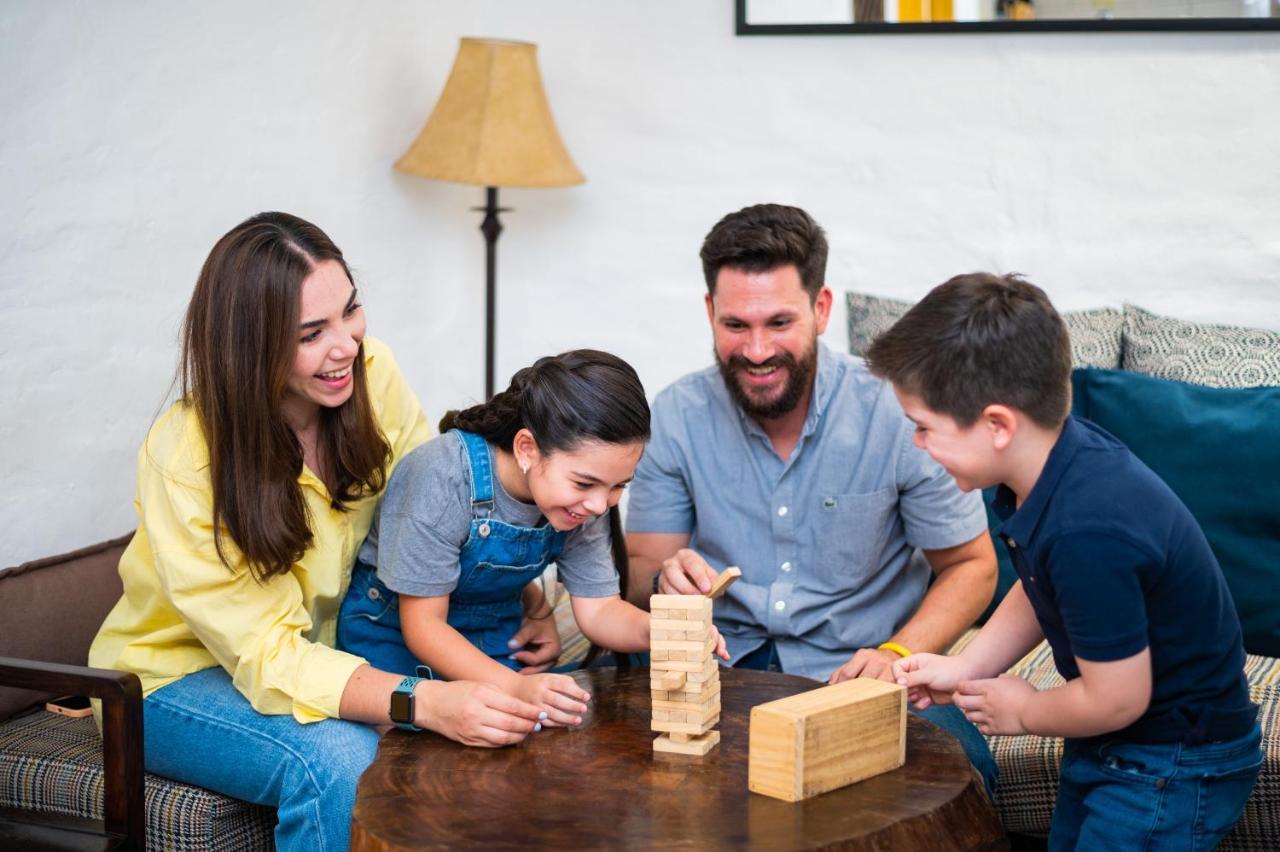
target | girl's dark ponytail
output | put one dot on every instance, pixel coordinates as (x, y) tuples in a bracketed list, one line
[(576, 396)]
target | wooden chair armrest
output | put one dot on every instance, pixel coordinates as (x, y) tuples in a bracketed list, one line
[(122, 751)]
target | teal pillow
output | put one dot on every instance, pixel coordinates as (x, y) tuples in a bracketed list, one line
[(1219, 450)]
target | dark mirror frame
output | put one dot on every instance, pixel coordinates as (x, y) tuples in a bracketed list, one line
[(1114, 25)]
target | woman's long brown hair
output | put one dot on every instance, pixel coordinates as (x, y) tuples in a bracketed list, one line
[(239, 339)]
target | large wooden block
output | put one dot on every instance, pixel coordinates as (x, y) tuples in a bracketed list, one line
[(826, 738)]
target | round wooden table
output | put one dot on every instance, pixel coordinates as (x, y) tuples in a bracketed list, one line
[(603, 786)]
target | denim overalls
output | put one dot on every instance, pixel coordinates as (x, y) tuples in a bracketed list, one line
[(497, 561)]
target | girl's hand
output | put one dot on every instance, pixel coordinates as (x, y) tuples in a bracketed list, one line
[(994, 705), (559, 695), (721, 649), (474, 714), (536, 644), (929, 678)]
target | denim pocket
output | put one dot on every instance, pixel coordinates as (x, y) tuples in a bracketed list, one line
[(1223, 794), (1149, 764), (367, 598)]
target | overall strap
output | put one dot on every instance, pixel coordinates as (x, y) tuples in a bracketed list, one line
[(481, 472)]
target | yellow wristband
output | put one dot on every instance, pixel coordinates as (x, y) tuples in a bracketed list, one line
[(900, 650)]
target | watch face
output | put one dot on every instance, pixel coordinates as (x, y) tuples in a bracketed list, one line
[(402, 707)]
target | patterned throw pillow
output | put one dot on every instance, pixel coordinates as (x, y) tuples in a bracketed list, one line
[(1216, 356), (869, 316), (1095, 334)]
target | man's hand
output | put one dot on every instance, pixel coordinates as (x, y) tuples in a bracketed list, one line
[(867, 662), (994, 705), (686, 573), (536, 644), (474, 714)]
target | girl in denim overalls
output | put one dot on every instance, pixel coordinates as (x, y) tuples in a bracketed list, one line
[(473, 517)]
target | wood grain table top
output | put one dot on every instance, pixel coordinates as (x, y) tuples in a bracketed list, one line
[(602, 786)]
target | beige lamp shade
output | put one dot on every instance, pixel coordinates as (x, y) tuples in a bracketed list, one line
[(492, 125)]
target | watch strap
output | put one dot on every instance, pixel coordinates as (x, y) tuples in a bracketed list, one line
[(406, 687)]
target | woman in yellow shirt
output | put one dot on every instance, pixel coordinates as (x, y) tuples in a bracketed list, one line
[(255, 490)]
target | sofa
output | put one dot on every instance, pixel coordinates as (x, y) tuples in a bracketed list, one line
[(1200, 405)]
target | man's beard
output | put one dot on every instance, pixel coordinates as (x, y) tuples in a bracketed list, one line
[(799, 376)]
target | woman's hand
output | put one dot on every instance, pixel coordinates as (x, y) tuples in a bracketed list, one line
[(474, 714), (559, 696), (536, 644)]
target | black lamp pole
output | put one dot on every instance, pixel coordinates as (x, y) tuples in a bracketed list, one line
[(491, 227)]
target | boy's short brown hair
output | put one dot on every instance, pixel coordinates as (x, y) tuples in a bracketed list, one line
[(977, 340)]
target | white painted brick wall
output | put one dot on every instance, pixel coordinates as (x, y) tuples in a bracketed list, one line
[(1140, 167)]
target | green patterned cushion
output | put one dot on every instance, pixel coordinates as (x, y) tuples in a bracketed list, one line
[(1217, 356), (52, 763), (1095, 334), (1029, 764)]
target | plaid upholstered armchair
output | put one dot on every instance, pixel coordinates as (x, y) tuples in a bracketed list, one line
[(52, 773)]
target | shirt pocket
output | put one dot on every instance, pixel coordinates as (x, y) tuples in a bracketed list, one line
[(852, 532)]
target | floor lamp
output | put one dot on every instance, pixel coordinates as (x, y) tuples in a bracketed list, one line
[(492, 127)]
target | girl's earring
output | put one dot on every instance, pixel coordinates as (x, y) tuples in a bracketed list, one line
[(524, 468)]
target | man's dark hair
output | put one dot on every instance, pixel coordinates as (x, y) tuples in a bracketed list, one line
[(978, 340), (764, 237)]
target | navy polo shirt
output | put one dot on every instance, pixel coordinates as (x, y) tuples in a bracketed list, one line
[(1113, 563)]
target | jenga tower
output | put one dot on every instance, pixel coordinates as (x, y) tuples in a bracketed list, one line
[(685, 677)]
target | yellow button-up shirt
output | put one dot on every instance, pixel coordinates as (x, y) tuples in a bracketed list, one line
[(183, 610)]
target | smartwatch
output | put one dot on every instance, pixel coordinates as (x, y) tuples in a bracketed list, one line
[(402, 704)]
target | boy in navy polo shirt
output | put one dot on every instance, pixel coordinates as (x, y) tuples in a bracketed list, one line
[(1162, 744)]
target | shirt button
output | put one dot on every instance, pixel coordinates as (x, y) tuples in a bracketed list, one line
[(782, 511), (374, 594), (1011, 544), (780, 606), (786, 566)]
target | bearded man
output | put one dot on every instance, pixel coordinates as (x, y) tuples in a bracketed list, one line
[(794, 463)]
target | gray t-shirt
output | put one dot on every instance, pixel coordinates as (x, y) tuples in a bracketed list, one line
[(425, 517)]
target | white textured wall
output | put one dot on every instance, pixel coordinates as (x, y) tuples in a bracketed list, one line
[(1138, 167)]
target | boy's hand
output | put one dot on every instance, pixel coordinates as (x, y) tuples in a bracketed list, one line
[(994, 705), (686, 573), (536, 644), (562, 699), (867, 662), (929, 678)]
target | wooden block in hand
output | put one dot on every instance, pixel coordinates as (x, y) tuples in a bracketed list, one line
[(826, 738), (723, 581)]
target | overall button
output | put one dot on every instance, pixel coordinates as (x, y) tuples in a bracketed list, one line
[(374, 594), (785, 566), (484, 530)]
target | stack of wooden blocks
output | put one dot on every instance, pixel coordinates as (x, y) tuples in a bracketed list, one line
[(685, 677)]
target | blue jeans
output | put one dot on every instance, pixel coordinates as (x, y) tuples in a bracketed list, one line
[(1125, 796), (201, 731), (946, 716)]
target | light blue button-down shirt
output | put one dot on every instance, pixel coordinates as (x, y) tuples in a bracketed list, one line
[(824, 539)]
